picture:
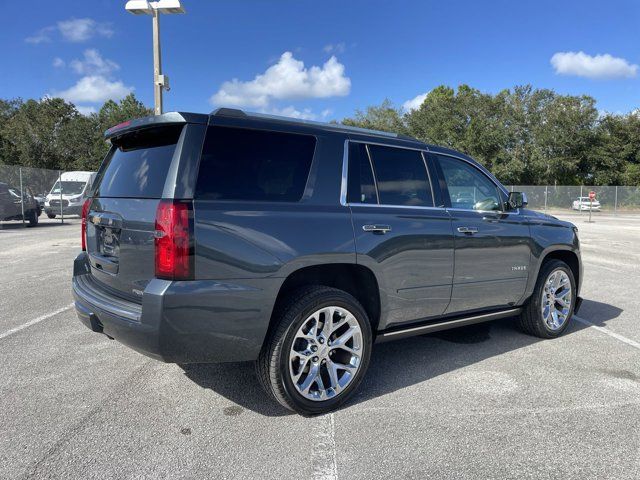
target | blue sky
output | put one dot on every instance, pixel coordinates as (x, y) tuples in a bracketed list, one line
[(322, 59)]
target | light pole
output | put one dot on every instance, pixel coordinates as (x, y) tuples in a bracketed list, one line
[(145, 7)]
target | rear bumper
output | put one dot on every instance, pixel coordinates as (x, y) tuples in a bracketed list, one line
[(180, 322), (70, 210)]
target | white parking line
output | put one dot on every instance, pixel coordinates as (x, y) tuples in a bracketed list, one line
[(324, 456), (606, 331), (34, 321)]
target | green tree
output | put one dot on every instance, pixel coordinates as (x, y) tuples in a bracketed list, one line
[(384, 117)]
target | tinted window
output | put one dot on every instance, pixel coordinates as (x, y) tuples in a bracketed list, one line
[(361, 186), (469, 188), (137, 164), (241, 164), (401, 176)]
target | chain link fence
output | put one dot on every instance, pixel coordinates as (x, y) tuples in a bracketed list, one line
[(616, 199), (28, 194)]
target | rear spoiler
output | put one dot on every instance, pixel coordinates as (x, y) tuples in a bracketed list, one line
[(155, 120)]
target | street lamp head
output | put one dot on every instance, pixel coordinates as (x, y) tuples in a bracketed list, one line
[(144, 7), (138, 7), (168, 6)]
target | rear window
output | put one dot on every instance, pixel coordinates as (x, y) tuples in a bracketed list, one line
[(138, 163), (254, 165)]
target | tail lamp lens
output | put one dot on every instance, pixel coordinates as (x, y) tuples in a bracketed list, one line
[(173, 240), (83, 228)]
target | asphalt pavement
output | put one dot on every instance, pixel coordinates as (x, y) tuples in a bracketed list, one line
[(479, 402)]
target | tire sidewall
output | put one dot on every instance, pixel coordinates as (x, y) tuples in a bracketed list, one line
[(334, 299), (548, 269)]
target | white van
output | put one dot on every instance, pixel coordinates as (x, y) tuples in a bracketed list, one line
[(75, 189)]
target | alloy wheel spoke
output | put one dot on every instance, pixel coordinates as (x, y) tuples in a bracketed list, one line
[(310, 379), (344, 338), (333, 376)]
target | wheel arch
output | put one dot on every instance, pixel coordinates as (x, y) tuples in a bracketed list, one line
[(357, 280), (567, 255)]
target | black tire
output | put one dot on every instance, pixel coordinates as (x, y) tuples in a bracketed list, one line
[(32, 218), (273, 364), (51, 215), (531, 319)]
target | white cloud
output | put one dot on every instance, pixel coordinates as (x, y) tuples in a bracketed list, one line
[(287, 79), (93, 64), (73, 30), (335, 48), (85, 110), (415, 102), (83, 29), (58, 62), (41, 36), (598, 66), (95, 89), (304, 114)]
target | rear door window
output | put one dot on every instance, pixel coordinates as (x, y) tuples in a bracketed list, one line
[(138, 163), (401, 176)]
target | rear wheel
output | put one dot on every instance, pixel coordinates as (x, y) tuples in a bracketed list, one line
[(318, 352), (51, 215), (550, 308)]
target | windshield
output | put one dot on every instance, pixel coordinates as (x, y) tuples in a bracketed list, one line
[(68, 188)]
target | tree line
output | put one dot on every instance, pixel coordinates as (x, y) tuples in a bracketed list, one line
[(52, 134), (525, 136)]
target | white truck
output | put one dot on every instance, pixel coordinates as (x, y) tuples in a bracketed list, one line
[(69, 193)]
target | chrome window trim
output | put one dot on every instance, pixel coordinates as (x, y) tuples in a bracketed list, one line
[(345, 174), (413, 207), (381, 144), (495, 212)]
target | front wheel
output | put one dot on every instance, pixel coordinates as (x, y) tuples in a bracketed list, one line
[(51, 215), (318, 351), (550, 308), (32, 217)]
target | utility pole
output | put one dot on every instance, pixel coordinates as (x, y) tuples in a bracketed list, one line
[(157, 64), (155, 8)]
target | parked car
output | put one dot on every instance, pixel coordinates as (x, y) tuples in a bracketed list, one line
[(11, 205), (583, 203), (40, 198), (70, 191), (297, 245)]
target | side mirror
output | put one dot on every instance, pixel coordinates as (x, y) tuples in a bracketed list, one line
[(517, 200)]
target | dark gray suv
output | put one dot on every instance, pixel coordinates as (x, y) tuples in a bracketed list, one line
[(297, 245)]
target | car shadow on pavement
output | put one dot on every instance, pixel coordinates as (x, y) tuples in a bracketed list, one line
[(399, 364), (20, 226), (238, 383)]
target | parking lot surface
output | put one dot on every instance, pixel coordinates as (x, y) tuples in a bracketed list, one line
[(479, 402)]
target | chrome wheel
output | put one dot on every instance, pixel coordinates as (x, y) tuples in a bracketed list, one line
[(556, 299), (326, 353)]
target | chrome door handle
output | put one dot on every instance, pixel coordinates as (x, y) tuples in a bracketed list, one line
[(376, 228), (469, 230)]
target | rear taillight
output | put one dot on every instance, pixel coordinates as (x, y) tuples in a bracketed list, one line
[(85, 212), (173, 240)]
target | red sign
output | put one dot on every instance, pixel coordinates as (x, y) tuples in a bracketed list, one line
[(592, 196)]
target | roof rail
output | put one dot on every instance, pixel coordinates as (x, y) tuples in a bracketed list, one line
[(234, 112)]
